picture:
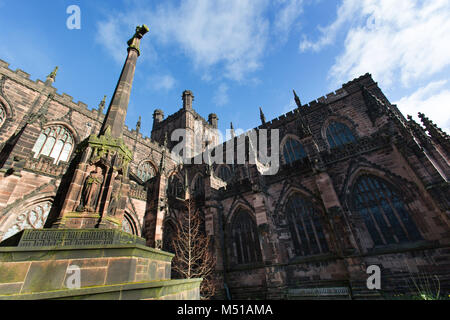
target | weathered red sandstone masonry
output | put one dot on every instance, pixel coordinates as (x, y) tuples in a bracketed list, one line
[(360, 184)]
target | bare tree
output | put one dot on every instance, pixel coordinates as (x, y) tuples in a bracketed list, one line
[(193, 256)]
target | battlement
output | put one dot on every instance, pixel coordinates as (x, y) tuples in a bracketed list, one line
[(328, 98), (331, 97), (364, 78), (145, 140), (4, 64), (23, 78), (170, 118), (22, 74), (177, 114), (65, 99), (280, 119), (324, 100)]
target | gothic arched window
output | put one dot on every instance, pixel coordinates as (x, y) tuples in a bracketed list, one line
[(199, 187), (339, 134), (384, 212), (128, 225), (32, 218), (245, 241), (2, 115), (305, 226), (145, 171), (176, 188), (293, 151), (55, 142), (224, 173)]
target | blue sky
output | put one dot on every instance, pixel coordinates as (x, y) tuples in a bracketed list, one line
[(236, 55)]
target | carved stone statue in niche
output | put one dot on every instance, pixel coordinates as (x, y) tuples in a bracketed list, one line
[(91, 190), (115, 195)]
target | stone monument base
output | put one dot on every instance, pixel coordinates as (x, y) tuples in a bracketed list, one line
[(109, 264)]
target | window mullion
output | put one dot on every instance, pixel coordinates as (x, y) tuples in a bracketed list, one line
[(370, 213), (396, 214), (43, 145), (313, 216), (378, 196)]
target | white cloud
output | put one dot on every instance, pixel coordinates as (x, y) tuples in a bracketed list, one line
[(221, 95), (433, 100), (114, 32), (287, 15), (406, 39), (328, 34), (108, 36), (229, 36), (230, 32), (162, 82)]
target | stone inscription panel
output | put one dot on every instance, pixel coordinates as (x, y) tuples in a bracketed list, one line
[(51, 238)]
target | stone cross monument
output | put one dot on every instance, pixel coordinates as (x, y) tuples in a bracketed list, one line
[(99, 187), (85, 241)]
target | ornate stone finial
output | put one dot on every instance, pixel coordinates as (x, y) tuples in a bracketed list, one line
[(52, 76), (233, 135), (297, 100), (262, 116), (434, 131), (53, 73), (417, 131), (138, 124), (135, 41), (101, 106)]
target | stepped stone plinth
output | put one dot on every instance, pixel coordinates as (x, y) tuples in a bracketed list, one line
[(112, 264)]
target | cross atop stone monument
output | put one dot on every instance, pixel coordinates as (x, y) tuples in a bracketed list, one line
[(135, 41)]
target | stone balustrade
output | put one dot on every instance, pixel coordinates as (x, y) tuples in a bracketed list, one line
[(46, 165)]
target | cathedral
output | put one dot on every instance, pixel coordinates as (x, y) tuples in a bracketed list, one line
[(358, 185)]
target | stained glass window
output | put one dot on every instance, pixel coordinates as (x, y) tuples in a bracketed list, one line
[(55, 142), (384, 212), (245, 239), (32, 218), (339, 134), (305, 227), (293, 151), (224, 173), (145, 171)]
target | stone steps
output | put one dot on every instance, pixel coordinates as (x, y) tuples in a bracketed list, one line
[(153, 290)]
